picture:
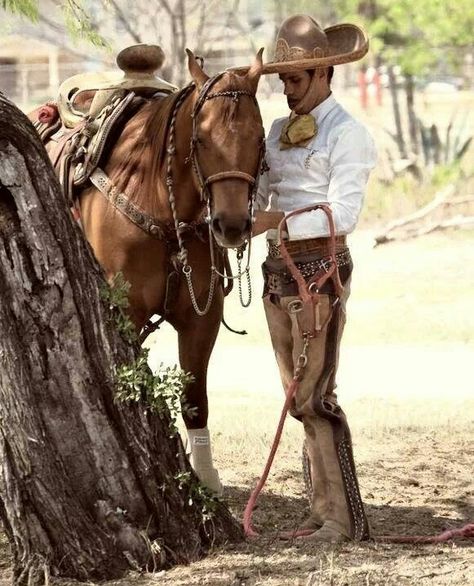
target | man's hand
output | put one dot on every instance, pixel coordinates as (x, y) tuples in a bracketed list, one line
[(265, 221)]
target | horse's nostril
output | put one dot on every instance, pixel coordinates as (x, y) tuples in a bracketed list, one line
[(231, 231), (216, 225)]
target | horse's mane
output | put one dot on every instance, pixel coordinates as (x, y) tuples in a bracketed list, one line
[(154, 119)]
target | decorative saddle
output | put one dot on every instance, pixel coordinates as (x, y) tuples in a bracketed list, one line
[(92, 109)]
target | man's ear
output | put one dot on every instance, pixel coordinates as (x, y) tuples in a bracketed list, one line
[(321, 72), (198, 75)]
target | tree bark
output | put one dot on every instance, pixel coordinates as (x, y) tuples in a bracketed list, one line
[(396, 112), (88, 487), (412, 119)]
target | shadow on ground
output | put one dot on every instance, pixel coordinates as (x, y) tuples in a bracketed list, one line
[(275, 513)]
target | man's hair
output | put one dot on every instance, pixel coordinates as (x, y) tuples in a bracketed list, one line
[(329, 75)]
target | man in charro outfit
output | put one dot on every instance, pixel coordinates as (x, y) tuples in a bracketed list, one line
[(320, 154)]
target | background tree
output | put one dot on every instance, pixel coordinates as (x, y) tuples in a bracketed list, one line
[(208, 28), (89, 486), (418, 38)]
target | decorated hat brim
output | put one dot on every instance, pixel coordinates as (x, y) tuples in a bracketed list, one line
[(346, 43)]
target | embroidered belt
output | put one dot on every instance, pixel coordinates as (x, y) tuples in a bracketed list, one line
[(317, 246), (308, 269), (278, 280)]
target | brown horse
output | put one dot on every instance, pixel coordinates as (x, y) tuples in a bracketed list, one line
[(187, 161)]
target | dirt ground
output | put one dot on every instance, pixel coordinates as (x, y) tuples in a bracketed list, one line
[(406, 385), (412, 483)]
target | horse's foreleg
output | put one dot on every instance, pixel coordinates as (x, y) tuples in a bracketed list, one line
[(196, 337)]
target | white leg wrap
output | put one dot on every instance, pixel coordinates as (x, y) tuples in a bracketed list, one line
[(201, 459)]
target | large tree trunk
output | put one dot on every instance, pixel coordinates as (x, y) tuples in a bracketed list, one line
[(88, 486)]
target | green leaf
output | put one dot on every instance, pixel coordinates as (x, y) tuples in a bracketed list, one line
[(80, 25), (27, 8)]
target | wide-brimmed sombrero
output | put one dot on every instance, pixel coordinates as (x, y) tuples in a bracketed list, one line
[(302, 44)]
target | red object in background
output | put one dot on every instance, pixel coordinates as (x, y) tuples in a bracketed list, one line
[(362, 83), (378, 88)]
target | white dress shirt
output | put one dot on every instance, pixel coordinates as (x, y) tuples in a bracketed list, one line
[(333, 168)]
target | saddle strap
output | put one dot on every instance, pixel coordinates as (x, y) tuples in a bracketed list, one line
[(134, 213), (152, 226)]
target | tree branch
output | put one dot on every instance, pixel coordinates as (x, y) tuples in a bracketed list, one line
[(123, 19), (443, 198)]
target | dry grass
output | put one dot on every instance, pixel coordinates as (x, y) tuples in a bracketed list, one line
[(406, 387)]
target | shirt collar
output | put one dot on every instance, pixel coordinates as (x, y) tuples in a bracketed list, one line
[(323, 109)]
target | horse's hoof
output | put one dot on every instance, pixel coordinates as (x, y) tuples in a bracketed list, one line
[(209, 477)]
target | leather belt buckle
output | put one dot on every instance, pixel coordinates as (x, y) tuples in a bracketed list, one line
[(295, 306)]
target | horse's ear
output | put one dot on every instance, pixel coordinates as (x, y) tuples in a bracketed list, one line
[(195, 70), (255, 70)]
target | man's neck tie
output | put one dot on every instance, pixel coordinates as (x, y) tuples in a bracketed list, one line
[(298, 131)]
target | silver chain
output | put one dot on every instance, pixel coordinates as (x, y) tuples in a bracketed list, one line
[(246, 272), (302, 358), (187, 270)]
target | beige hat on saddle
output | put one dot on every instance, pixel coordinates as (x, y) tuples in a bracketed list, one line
[(302, 44), (138, 65)]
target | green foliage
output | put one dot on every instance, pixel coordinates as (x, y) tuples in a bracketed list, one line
[(198, 494), (444, 174), (27, 8), (116, 295), (76, 19), (161, 392), (79, 24), (414, 35), (447, 152)]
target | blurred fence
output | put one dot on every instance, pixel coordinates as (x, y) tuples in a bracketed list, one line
[(31, 84)]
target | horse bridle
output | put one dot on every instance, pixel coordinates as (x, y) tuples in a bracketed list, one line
[(204, 96), (204, 183)]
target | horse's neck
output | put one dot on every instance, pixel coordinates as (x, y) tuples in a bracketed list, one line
[(140, 167)]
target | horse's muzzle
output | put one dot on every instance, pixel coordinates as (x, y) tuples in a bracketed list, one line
[(231, 233)]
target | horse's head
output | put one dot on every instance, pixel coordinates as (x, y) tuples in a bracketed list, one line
[(227, 148)]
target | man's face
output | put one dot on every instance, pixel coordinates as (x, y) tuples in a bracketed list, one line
[(295, 86)]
